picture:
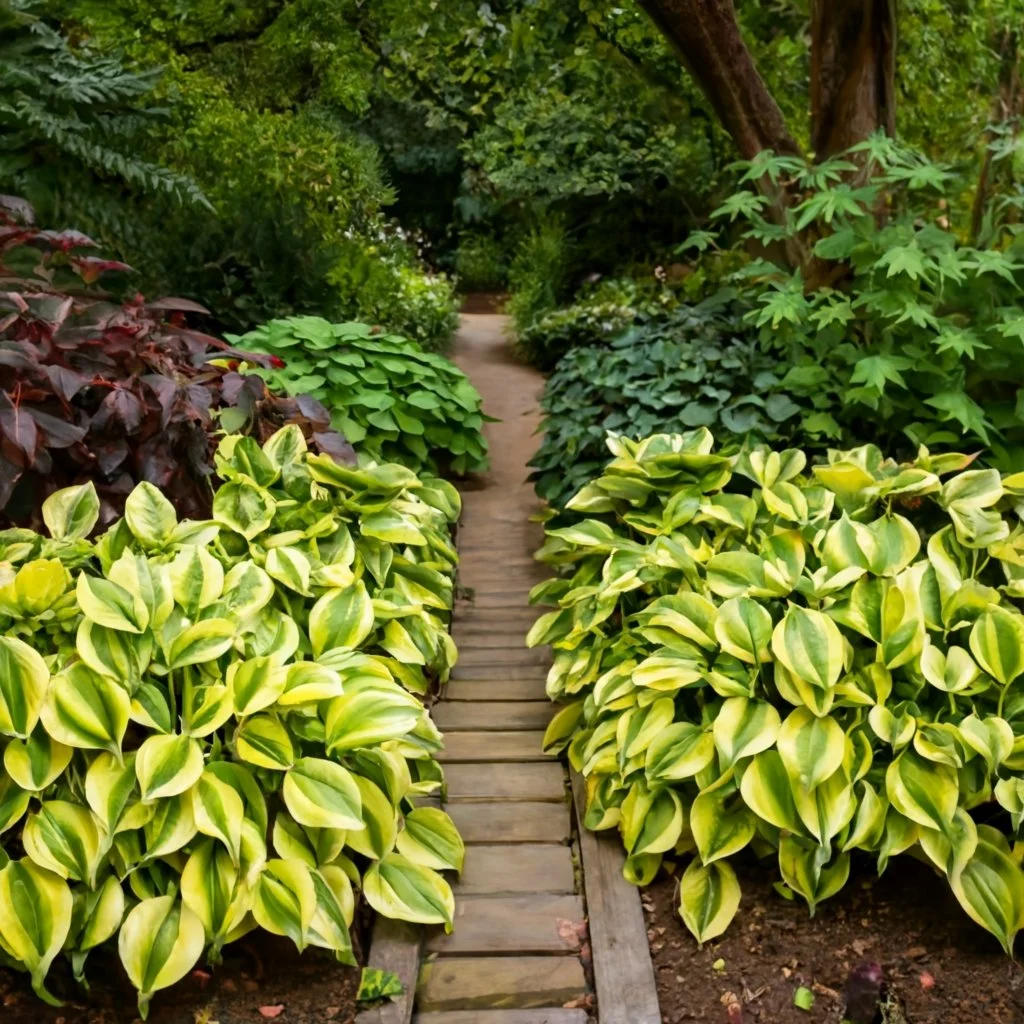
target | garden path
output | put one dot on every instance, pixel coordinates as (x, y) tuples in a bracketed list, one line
[(513, 957)]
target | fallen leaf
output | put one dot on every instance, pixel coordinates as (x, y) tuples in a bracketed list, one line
[(272, 1011), (572, 933), (803, 998)]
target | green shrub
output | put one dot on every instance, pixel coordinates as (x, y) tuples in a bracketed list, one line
[(697, 366), (480, 263), (807, 663), (544, 342), (386, 395), (912, 335), (538, 276), (384, 283), (211, 720)]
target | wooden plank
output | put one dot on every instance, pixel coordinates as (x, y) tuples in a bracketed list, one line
[(535, 923), (486, 638), (496, 689), (395, 947), (550, 1016), (511, 822), (514, 672), (491, 715), (493, 746), (623, 973), (491, 870), (499, 982), (500, 657), (496, 780)]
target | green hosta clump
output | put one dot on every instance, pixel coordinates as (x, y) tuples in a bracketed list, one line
[(804, 660), (387, 395), (210, 727)]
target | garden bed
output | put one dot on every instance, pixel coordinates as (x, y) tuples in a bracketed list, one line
[(942, 967), (259, 974)]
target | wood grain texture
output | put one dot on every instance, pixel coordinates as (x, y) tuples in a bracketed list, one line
[(535, 923), (501, 781), (491, 823), (623, 972), (550, 1016), (491, 716), (395, 946), (493, 746), (499, 982), (527, 868)]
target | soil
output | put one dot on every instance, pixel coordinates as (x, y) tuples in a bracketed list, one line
[(938, 965), (260, 973)]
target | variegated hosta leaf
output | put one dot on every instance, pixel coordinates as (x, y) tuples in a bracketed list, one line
[(810, 645), (71, 513), (97, 914), (35, 918), (212, 889), (167, 766), (767, 790), (150, 516), (922, 790), (243, 507), (322, 794), (811, 748), (997, 642), (396, 887), (160, 942), (811, 869), (86, 710), (368, 717), (709, 897), (36, 762), (341, 618), (24, 681), (721, 822), (66, 839), (263, 741), (678, 752), (218, 812), (379, 818), (285, 900), (651, 821), (429, 838), (990, 888), (744, 728)]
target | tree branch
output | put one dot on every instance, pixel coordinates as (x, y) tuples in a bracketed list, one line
[(707, 36)]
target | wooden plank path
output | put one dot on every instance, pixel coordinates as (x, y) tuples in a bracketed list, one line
[(513, 957)]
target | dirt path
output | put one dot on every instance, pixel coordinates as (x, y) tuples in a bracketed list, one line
[(513, 956)]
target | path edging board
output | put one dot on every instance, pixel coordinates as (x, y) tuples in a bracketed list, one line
[(395, 946), (623, 971)]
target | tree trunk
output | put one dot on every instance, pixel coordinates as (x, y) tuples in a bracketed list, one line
[(707, 36), (853, 67)]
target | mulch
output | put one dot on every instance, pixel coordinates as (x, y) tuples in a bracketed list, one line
[(939, 967)]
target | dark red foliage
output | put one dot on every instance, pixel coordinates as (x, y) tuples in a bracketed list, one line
[(116, 392)]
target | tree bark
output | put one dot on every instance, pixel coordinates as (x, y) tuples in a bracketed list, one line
[(707, 36), (853, 70)]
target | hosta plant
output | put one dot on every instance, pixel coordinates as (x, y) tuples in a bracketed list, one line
[(387, 395), (212, 726), (806, 661)]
